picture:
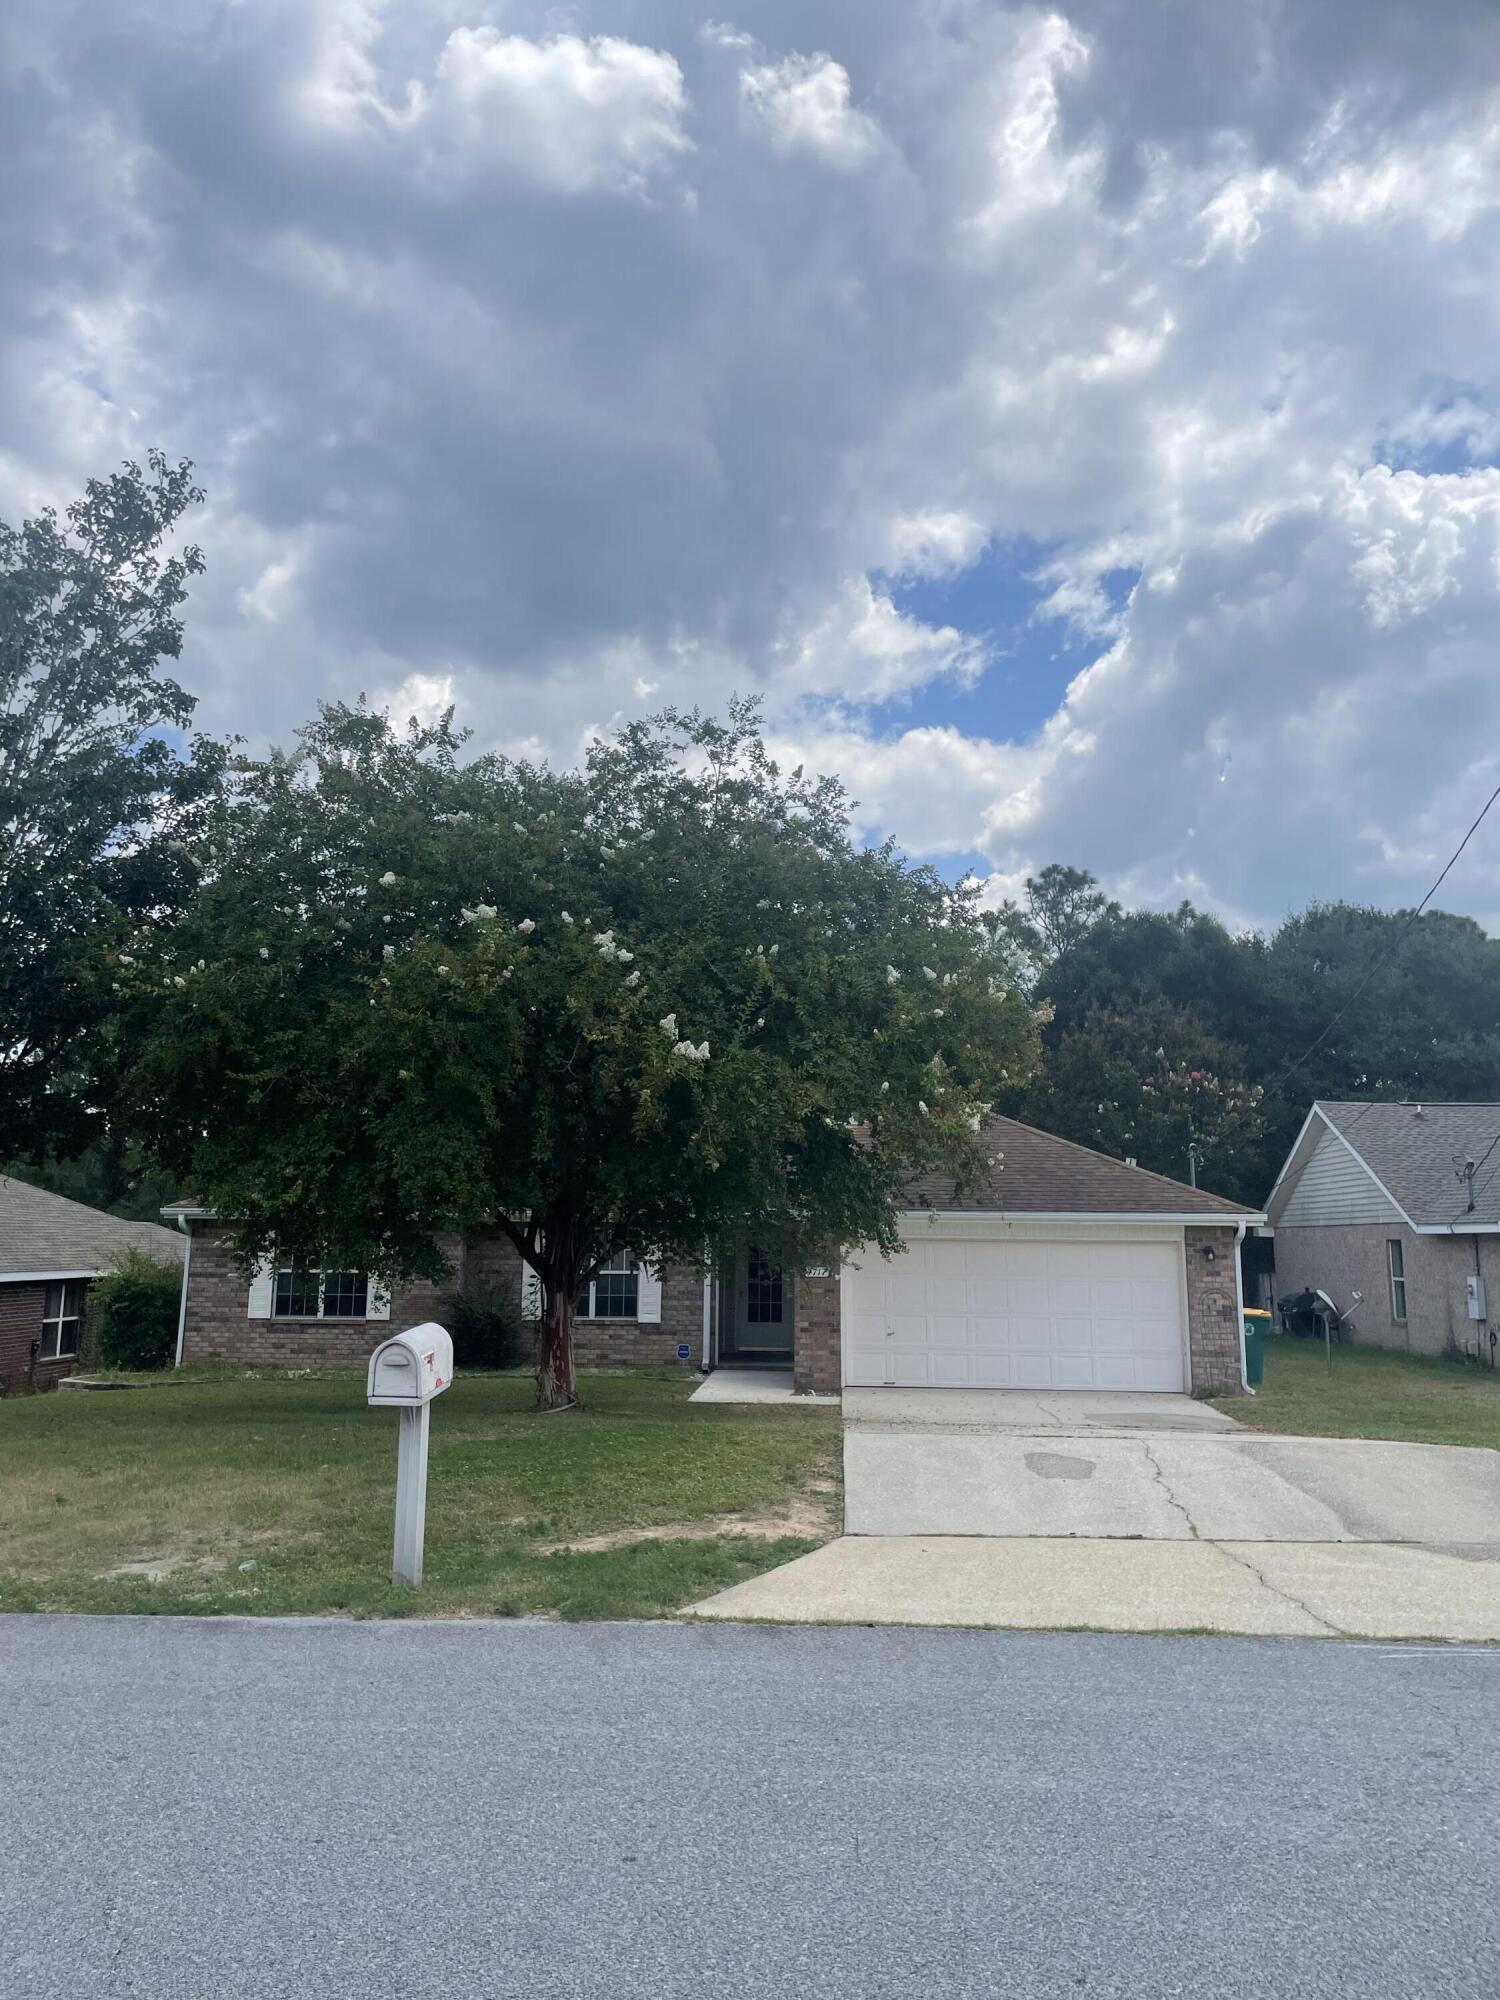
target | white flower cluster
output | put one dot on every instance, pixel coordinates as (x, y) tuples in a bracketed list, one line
[(605, 941), (683, 1048), (482, 913)]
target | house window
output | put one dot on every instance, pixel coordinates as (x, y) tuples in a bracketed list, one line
[(614, 1293), (62, 1314), (762, 1292), (304, 1294), (1396, 1259)]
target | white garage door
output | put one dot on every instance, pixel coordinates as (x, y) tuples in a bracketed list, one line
[(1016, 1313)]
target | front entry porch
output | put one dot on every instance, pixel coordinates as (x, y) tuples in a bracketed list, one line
[(755, 1313)]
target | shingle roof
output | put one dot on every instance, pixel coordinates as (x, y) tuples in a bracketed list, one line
[(1417, 1150), (41, 1232), (1040, 1174)]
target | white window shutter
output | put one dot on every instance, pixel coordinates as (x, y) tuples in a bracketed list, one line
[(531, 1293), (648, 1295), (378, 1300), (262, 1289)]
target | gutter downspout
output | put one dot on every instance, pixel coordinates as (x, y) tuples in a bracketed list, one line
[(1239, 1306), (187, 1264), (708, 1319)]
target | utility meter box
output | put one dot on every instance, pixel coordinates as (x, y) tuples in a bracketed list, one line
[(411, 1368), (1476, 1297)]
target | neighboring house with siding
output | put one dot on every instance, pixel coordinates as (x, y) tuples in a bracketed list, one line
[(1394, 1211), (1062, 1269), (51, 1250)]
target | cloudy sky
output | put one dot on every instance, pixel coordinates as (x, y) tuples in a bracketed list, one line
[(1082, 427)]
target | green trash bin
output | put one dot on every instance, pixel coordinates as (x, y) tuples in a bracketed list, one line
[(1257, 1333)]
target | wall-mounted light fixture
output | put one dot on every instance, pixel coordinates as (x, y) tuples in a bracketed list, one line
[(1210, 1255)]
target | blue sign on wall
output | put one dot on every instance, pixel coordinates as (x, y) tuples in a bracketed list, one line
[(683, 1350)]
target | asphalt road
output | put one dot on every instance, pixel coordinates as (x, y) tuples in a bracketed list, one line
[(220, 1809)]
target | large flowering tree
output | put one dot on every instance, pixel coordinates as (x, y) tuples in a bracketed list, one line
[(1150, 1083), (655, 1003)]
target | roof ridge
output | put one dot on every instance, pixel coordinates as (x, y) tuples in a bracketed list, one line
[(1427, 1103), (1093, 1152), (68, 1201)]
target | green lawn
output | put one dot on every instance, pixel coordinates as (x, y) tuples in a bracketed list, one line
[(1371, 1392), (276, 1496)]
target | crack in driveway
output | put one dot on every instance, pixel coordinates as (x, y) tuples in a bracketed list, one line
[(1161, 1479), (1286, 1596)]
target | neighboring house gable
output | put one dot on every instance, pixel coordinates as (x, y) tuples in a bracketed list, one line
[(1373, 1208), (1332, 1185), (1412, 1155)]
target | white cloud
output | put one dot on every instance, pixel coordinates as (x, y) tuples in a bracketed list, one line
[(934, 543), (424, 697), (865, 650), (567, 372), (802, 105), (574, 113)]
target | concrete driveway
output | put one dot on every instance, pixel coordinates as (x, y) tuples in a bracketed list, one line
[(1144, 1468), (1141, 1513)]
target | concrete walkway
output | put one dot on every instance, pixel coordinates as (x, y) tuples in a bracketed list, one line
[(752, 1385), (1296, 1590)]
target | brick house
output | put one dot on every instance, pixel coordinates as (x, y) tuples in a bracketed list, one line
[(1393, 1210), (51, 1250), (1064, 1269)]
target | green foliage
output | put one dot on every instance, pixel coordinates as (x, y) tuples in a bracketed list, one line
[(133, 1312), (1147, 1084), (486, 1329), (109, 1174), (1425, 1025), (94, 806), (656, 1003), (1061, 907)]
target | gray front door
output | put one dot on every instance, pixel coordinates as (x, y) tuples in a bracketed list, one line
[(760, 1317)]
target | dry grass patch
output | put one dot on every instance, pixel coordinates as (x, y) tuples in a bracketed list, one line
[(276, 1496)]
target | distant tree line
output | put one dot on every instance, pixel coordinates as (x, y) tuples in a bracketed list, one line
[(1165, 1029)]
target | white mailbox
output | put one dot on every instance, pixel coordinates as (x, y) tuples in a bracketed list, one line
[(406, 1372), (411, 1368)]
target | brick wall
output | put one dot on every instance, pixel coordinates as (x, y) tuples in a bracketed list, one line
[(20, 1325), (815, 1364), (219, 1327), (1213, 1312), (624, 1343), (1348, 1257)]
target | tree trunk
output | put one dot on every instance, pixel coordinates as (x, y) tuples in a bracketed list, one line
[(555, 1387)]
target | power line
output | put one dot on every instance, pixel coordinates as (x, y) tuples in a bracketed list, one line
[(1383, 957), (1474, 1189)]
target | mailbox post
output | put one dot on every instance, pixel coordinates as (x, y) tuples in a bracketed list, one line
[(406, 1372)]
